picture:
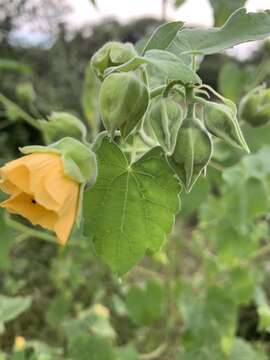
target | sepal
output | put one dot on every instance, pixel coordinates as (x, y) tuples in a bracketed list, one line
[(221, 121), (165, 117), (111, 54), (60, 125), (192, 152), (123, 102)]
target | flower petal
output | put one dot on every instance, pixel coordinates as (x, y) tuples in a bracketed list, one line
[(23, 204), (66, 221), (17, 175)]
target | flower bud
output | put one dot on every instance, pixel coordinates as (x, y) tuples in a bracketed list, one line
[(221, 121), (111, 54), (123, 102), (25, 91), (165, 117), (254, 108), (61, 125), (192, 152)]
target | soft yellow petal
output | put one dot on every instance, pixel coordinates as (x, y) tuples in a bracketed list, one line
[(18, 176), (7, 187), (42, 166), (66, 221), (24, 205)]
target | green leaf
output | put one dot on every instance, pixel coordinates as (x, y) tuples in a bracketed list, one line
[(232, 80), (95, 320), (163, 36), (11, 65), (243, 350), (146, 304), (6, 241), (224, 8), (131, 207), (127, 353), (170, 67), (81, 347), (10, 307), (240, 27)]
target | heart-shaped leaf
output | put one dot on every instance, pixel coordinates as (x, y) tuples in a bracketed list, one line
[(131, 207)]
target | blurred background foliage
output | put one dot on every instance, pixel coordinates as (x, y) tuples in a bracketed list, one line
[(206, 295)]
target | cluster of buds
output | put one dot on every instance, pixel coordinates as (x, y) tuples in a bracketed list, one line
[(46, 184)]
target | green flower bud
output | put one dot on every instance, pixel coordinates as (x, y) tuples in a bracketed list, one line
[(25, 91), (221, 121), (111, 54), (254, 108), (79, 160), (61, 125), (192, 152), (123, 102), (165, 117)]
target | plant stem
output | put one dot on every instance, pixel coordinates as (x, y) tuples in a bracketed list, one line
[(216, 166), (154, 354), (27, 231), (21, 113), (157, 91)]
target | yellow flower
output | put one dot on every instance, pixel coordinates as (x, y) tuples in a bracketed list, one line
[(41, 192), (19, 343)]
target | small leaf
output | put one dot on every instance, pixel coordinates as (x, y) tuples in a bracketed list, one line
[(10, 307), (131, 207), (163, 36), (171, 67), (240, 27)]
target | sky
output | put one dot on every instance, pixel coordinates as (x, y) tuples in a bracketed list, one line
[(193, 11)]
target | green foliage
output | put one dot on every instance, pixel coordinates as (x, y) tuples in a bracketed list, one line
[(168, 66), (10, 308), (204, 294), (239, 28), (131, 207), (146, 305), (163, 36)]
